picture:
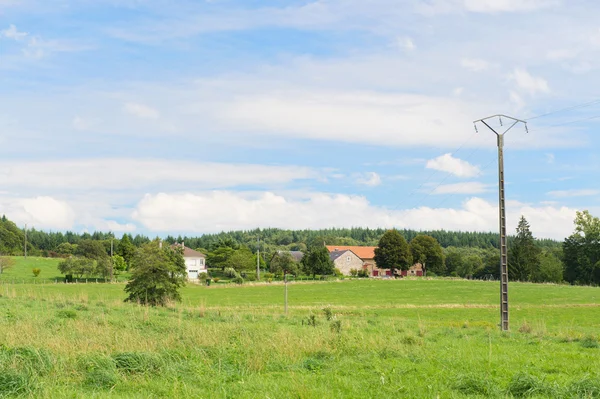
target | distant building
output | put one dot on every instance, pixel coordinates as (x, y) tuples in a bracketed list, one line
[(346, 260), (296, 255), (195, 262), (367, 256)]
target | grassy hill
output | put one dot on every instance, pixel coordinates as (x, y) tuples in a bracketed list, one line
[(361, 338)]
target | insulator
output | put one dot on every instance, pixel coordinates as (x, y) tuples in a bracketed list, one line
[(476, 131), (500, 118), (526, 129)]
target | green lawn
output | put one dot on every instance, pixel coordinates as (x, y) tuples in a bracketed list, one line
[(402, 338), (23, 269)]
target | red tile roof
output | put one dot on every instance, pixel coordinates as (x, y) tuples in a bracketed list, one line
[(361, 252)]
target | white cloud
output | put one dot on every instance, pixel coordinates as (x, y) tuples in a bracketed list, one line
[(39, 212), (494, 6), (406, 43), (475, 64), (141, 111), (462, 188), (121, 174), (561, 54), (574, 193), (13, 33), (218, 210), (550, 158), (350, 116), (529, 83), (455, 166), (371, 179)]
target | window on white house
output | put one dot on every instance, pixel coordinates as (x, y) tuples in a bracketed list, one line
[(192, 262), (201, 262), (348, 259)]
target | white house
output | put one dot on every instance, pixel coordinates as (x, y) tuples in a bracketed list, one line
[(195, 262)]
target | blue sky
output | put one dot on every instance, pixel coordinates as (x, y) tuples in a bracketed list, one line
[(156, 117)]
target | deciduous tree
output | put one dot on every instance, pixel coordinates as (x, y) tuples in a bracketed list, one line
[(317, 261), (428, 252), (158, 274), (6, 263), (582, 251), (393, 252), (283, 263)]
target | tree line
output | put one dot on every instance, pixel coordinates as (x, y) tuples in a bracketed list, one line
[(463, 254)]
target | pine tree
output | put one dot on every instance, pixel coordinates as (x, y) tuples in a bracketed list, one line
[(524, 254)]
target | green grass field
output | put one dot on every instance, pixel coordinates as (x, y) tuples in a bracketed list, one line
[(402, 338)]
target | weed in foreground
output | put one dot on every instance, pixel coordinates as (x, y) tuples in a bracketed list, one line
[(475, 385), (585, 388), (66, 314), (13, 383), (589, 342), (32, 361), (137, 362), (524, 385), (101, 379)]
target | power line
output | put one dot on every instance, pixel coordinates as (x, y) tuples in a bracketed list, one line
[(578, 106), (566, 123)]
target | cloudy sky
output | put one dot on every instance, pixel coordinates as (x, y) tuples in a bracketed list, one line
[(187, 117)]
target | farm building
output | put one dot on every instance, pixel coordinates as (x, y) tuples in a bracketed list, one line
[(367, 256), (346, 260)]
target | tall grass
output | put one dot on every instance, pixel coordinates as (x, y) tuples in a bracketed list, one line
[(60, 342)]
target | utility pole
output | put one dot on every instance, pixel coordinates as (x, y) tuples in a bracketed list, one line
[(112, 260), (257, 258), (502, 210), (25, 247)]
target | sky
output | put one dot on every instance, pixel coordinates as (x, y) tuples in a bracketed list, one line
[(191, 117)]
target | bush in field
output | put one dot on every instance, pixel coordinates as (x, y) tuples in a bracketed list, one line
[(238, 280), (36, 272), (157, 275), (230, 272), (363, 273)]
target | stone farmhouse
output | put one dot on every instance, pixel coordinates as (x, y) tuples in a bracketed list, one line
[(367, 256)]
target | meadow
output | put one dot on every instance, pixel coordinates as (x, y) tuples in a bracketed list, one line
[(353, 338)]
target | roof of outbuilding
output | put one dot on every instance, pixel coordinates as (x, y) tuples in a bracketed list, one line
[(297, 255), (361, 252)]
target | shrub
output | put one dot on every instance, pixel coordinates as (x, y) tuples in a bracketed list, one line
[(238, 280), (337, 272), (216, 279), (36, 272), (364, 273), (353, 272), (230, 272), (202, 277), (268, 276)]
